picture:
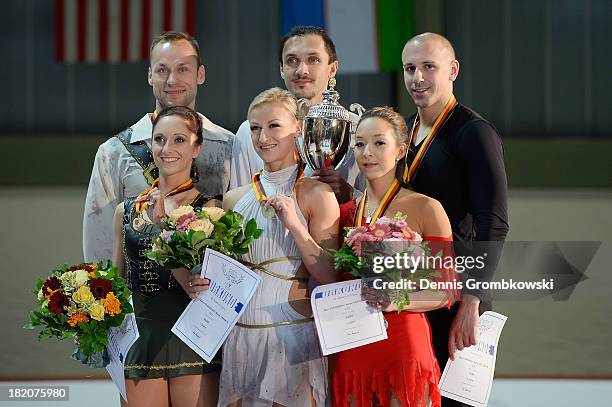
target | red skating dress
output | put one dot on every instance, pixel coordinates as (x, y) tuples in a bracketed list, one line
[(404, 365)]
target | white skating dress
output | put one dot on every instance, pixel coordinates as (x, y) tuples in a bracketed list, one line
[(280, 363)]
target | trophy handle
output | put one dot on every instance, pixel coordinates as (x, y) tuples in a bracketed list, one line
[(357, 109), (300, 147), (303, 106)]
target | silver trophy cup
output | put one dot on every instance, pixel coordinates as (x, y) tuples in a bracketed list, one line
[(326, 132)]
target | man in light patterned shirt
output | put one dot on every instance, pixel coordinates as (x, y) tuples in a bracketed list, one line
[(118, 173)]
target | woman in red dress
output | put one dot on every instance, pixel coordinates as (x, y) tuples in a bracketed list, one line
[(401, 370)]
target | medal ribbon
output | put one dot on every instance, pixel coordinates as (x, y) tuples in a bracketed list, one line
[(141, 203), (382, 206), (409, 171), (259, 190)]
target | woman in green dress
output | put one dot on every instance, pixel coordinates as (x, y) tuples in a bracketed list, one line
[(160, 370)]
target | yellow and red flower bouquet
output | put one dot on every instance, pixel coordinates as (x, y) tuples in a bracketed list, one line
[(82, 301)]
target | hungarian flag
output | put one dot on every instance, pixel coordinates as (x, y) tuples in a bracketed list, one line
[(100, 31), (369, 34)]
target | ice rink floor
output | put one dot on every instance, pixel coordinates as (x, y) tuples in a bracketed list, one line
[(505, 393)]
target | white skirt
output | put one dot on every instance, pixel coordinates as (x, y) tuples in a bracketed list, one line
[(281, 365)]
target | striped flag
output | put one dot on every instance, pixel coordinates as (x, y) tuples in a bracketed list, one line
[(369, 34), (100, 31)]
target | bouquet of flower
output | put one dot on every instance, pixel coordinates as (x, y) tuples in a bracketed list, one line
[(82, 301), (366, 248), (187, 232)]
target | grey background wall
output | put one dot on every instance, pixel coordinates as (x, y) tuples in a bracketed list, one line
[(533, 67)]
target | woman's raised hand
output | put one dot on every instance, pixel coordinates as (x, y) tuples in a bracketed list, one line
[(156, 209), (284, 207)]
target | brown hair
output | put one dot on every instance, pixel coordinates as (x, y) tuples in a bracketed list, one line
[(172, 36), (192, 120), (194, 124)]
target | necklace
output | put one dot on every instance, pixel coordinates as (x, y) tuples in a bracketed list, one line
[(369, 211), (380, 209)]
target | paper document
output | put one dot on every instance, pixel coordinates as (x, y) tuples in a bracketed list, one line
[(343, 320), (208, 320), (469, 377), (120, 340)]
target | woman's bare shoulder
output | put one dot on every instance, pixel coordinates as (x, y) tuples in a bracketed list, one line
[(312, 186)]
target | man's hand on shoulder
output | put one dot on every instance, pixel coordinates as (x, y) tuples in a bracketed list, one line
[(342, 189)]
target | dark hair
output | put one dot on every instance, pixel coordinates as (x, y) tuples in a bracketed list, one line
[(389, 115), (171, 36), (301, 30), (194, 124), (191, 118)]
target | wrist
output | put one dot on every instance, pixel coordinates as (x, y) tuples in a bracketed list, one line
[(296, 229), (470, 300)]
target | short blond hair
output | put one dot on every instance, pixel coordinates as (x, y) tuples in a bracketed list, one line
[(276, 95)]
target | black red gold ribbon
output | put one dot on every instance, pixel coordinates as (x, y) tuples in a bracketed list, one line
[(382, 206), (260, 193), (141, 203), (410, 171)]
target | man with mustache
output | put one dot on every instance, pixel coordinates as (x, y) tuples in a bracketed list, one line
[(456, 157), (123, 166), (308, 60)]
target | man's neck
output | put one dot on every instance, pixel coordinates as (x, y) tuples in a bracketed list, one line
[(429, 114), (315, 100), (159, 107)]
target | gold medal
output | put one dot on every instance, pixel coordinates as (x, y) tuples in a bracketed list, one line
[(138, 223), (268, 212)]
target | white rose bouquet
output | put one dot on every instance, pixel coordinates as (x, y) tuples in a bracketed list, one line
[(187, 232)]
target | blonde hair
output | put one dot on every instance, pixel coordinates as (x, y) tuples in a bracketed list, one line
[(276, 95)]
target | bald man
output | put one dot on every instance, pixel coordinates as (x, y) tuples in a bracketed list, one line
[(456, 157)]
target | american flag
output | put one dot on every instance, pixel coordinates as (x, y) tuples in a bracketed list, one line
[(101, 31)]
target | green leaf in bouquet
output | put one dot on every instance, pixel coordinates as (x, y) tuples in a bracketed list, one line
[(196, 237), (246, 242), (346, 259), (250, 228), (200, 246), (39, 284), (184, 251), (94, 337)]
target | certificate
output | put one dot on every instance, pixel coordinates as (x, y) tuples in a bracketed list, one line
[(120, 340), (343, 320), (469, 377), (208, 320)]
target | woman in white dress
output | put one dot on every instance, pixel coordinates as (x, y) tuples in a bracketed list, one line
[(272, 357)]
